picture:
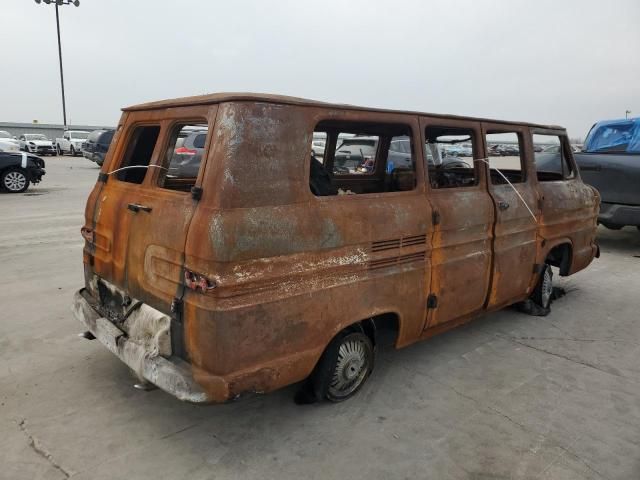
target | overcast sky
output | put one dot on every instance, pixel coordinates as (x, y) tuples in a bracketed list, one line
[(568, 62)]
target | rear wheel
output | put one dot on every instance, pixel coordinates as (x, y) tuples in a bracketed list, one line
[(344, 366), (15, 180)]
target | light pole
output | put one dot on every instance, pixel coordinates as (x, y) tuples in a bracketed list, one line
[(57, 3)]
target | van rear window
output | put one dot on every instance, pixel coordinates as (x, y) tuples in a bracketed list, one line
[(138, 154)]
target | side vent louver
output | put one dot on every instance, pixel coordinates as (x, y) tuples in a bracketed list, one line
[(381, 245), (415, 240), (412, 243), (399, 260)]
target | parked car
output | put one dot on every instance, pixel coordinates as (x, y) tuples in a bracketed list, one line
[(354, 152), (19, 170), (317, 147), (188, 154), (8, 143), (400, 154), (493, 150), (263, 271), (97, 144), (508, 150), (459, 151), (71, 142), (36, 143)]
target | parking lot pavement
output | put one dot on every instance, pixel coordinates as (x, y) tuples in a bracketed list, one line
[(508, 396)]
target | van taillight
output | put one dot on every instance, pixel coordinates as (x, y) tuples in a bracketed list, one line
[(87, 234), (186, 151), (196, 282)]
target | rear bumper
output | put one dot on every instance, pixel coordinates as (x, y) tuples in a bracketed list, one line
[(619, 215), (172, 374)]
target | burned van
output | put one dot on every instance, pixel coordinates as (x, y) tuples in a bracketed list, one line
[(261, 265)]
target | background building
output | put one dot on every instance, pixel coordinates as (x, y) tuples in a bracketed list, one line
[(50, 130)]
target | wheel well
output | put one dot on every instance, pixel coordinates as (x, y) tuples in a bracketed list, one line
[(560, 256), (382, 329)]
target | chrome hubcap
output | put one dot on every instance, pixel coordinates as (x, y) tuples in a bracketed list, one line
[(547, 287), (351, 368), (15, 181)]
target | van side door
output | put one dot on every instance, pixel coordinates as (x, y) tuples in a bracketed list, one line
[(463, 219), (516, 210)]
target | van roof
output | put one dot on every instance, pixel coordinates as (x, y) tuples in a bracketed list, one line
[(287, 100)]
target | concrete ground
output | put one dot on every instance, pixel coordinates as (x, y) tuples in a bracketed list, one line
[(507, 397)]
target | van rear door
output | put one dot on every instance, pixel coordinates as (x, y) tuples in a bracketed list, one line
[(144, 210), (107, 223), (160, 221)]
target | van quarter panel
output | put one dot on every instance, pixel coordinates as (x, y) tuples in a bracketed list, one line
[(291, 268)]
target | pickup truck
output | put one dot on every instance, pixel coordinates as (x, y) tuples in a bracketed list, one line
[(610, 162), (71, 142)]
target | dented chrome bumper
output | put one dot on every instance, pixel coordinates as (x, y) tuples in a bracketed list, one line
[(173, 375)]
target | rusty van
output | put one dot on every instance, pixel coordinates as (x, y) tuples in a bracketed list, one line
[(222, 258)]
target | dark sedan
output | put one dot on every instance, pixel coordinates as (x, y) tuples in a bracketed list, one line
[(18, 170)]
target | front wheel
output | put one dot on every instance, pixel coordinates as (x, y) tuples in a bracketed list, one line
[(344, 367), (543, 292), (15, 180)]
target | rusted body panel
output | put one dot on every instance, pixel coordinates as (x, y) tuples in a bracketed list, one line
[(288, 270)]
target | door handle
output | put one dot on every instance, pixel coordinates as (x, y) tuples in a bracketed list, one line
[(502, 205), (136, 207)]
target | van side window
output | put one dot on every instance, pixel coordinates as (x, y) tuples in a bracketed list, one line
[(552, 162), (183, 156), (350, 158), (506, 155), (449, 153), (138, 154)]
